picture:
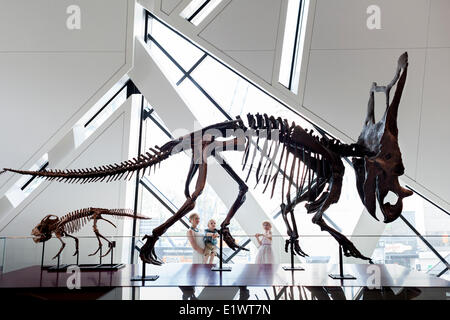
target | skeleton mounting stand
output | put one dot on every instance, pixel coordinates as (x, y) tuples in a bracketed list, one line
[(292, 267), (99, 266), (143, 277), (341, 275), (220, 267)]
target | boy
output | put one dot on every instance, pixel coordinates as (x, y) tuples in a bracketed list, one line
[(210, 239)]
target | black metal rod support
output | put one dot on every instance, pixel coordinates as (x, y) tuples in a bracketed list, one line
[(221, 267), (341, 263), (221, 252), (43, 253), (292, 255)]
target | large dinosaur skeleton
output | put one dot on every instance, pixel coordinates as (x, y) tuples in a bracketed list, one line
[(74, 221), (313, 167)]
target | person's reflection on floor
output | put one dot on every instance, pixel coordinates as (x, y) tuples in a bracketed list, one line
[(188, 293), (244, 293)]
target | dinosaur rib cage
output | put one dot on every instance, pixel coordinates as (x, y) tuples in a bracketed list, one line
[(75, 220), (306, 171)]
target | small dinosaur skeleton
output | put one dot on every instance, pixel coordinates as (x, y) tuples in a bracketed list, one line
[(73, 222), (313, 169)]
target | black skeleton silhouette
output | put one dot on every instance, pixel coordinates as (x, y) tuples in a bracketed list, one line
[(315, 167)]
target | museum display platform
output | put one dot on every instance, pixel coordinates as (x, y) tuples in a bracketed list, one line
[(175, 275)]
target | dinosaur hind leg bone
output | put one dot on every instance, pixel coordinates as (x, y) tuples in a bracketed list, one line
[(243, 188), (147, 253), (97, 217)]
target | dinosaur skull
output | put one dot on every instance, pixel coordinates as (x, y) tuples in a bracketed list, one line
[(377, 174), (43, 231)]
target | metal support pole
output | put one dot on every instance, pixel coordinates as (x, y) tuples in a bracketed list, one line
[(43, 252), (220, 267), (113, 244)]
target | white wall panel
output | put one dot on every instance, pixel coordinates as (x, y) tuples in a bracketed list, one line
[(246, 31), (245, 25), (439, 27), (40, 25), (258, 62), (434, 129), (342, 24), (167, 6)]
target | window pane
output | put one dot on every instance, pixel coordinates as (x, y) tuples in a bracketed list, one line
[(200, 106), (205, 7), (169, 69), (181, 50), (293, 41), (287, 52)]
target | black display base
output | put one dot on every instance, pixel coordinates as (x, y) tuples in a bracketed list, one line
[(218, 268), (87, 267), (342, 276), (289, 268), (145, 278)]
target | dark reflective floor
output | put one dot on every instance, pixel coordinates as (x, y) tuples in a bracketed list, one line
[(293, 293)]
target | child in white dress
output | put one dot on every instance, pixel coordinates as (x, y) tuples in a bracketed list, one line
[(195, 238), (265, 253)]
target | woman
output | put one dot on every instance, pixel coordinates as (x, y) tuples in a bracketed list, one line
[(196, 239), (265, 253)]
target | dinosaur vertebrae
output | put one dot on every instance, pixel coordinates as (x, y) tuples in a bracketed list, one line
[(75, 220), (112, 172), (278, 131)]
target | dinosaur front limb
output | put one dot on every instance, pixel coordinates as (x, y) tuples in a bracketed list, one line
[(76, 243), (348, 247), (63, 244)]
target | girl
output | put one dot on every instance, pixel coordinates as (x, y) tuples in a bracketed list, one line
[(265, 253), (196, 239)]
